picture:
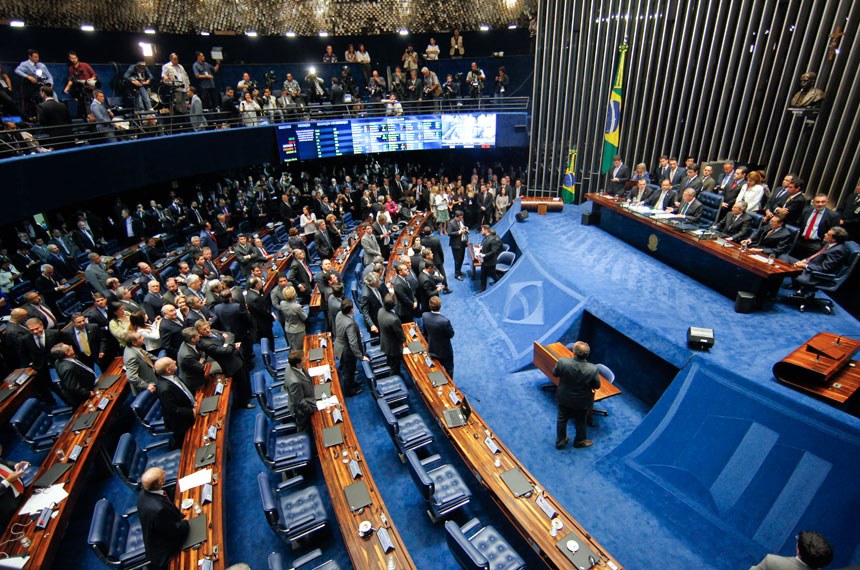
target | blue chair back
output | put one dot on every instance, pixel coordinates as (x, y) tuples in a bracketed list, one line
[(388, 416), (711, 206), (128, 461), (147, 409), (604, 371), (261, 438), (846, 270), (506, 259), (267, 498), (31, 420), (464, 551), (117, 540), (419, 475)]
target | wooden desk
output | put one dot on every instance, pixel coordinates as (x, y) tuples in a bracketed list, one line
[(44, 542), (364, 552), (536, 203), (546, 357), (339, 261), (158, 268), (523, 513), (824, 370), (474, 261), (214, 511), (724, 269), (76, 282), (404, 241), (278, 265), (223, 261), (10, 405)]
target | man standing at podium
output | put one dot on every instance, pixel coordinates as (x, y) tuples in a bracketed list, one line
[(577, 381)]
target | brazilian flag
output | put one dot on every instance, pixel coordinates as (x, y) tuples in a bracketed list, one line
[(568, 190), (613, 113)]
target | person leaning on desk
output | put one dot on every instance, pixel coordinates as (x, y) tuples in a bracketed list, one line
[(771, 239)]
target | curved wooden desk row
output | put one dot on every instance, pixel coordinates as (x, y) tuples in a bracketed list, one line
[(365, 552), (404, 241), (526, 515), (224, 260), (172, 258), (16, 388), (822, 367), (339, 261), (214, 547), (41, 544), (276, 266)]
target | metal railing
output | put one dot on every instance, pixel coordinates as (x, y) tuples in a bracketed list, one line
[(130, 125)]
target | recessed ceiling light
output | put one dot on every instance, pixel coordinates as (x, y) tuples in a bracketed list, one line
[(251, 34), (291, 34), (149, 31), (17, 23), (323, 34), (403, 32), (484, 28), (204, 33), (88, 28), (512, 26)]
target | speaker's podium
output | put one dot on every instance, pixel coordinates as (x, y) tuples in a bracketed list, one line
[(823, 368)]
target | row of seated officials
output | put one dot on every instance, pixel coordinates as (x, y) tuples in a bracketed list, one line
[(778, 222)]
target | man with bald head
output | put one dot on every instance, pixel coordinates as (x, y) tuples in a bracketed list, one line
[(177, 401), (164, 528)]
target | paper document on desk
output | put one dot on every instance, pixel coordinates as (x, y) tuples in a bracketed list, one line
[(322, 370), (642, 209), (196, 479), (758, 257), (14, 562), (40, 501), (327, 403), (663, 215)]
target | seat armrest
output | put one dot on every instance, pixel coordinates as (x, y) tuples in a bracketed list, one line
[(131, 512), (400, 410), (284, 429), (309, 557), (415, 437), (390, 390), (470, 526), (301, 521), (290, 456), (298, 479), (157, 445), (277, 384), (431, 459), (60, 411), (371, 342)]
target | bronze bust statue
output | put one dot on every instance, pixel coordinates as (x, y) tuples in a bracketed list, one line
[(808, 95)]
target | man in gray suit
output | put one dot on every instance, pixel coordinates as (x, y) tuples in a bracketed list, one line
[(348, 348), (301, 390), (139, 367), (813, 551), (96, 273), (370, 245), (277, 296), (294, 319), (198, 121), (577, 380)]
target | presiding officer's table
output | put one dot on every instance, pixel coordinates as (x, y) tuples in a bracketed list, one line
[(721, 265), (365, 552), (41, 544), (546, 357), (526, 512), (197, 436)]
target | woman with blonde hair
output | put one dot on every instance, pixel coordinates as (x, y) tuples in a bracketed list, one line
[(753, 192), (439, 198), (294, 319)]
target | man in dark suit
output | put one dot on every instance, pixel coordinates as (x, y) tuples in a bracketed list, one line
[(301, 277), (146, 275), (675, 175), (259, 310), (813, 551), (370, 302), (333, 306), (230, 317), (170, 330), (301, 390), (153, 301), (391, 336), (733, 189), (664, 200), (76, 378), (207, 238), (690, 207), (177, 401), (348, 348), (64, 266), (220, 346), (406, 302), (692, 180), (163, 525), (661, 172), (577, 381), (641, 194), (487, 205), (491, 247), (617, 177), (791, 204), (439, 332), (55, 117), (815, 221), (87, 340), (822, 265), (35, 353), (737, 224), (84, 238), (17, 332), (433, 243), (192, 361), (98, 315), (773, 238), (50, 288), (321, 240), (458, 240), (427, 286), (130, 229), (247, 254), (849, 215), (37, 309)]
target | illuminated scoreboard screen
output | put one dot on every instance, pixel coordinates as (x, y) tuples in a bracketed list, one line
[(344, 137)]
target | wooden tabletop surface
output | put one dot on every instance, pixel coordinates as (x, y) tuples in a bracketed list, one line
[(404, 241), (10, 405), (524, 513), (44, 542), (546, 357), (339, 261)]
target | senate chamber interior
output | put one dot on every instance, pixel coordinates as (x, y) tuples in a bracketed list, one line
[(392, 284)]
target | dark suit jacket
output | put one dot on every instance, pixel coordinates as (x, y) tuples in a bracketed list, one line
[(668, 201), (778, 243), (16, 335), (369, 305), (171, 337), (227, 357), (188, 359), (491, 247), (152, 305), (231, 318), (391, 336), (426, 289), (795, 209), (694, 183), (439, 332), (678, 179), (164, 527), (194, 315), (48, 290), (455, 240), (736, 227), (82, 241), (75, 381), (38, 358), (830, 261), (646, 196), (405, 299), (617, 188), (261, 315), (433, 244), (577, 380), (323, 245), (177, 408), (298, 276), (301, 390), (95, 338), (694, 210), (829, 218), (53, 113)]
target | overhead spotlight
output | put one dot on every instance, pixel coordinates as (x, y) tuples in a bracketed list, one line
[(150, 31), (312, 70), (251, 34), (146, 49), (403, 32), (323, 34), (88, 28), (17, 23), (512, 26), (291, 34), (204, 33), (484, 28)]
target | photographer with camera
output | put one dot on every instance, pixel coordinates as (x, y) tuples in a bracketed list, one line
[(451, 89), (398, 83), (316, 87), (410, 59), (139, 77), (502, 81), (347, 82), (475, 80), (376, 87), (174, 75)]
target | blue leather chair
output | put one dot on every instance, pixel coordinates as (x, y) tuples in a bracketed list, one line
[(273, 399), (282, 233), (147, 409), (408, 432), (276, 562), (279, 448), (485, 549), (711, 206), (505, 261), (604, 371), (829, 283), (292, 515), (38, 424), (378, 360), (69, 304), (391, 388), (130, 461), (117, 539), (442, 488)]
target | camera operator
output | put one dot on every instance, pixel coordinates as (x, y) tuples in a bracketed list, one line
[(475, 80), (139, 77), (269, 78), (376, 86), (451, 88), (316, 87), (410, 59), (398, 83), (173, 74), (80, 84), (346, 81), (502, 81)]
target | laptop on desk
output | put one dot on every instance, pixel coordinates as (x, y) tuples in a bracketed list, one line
[(457, 417)]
